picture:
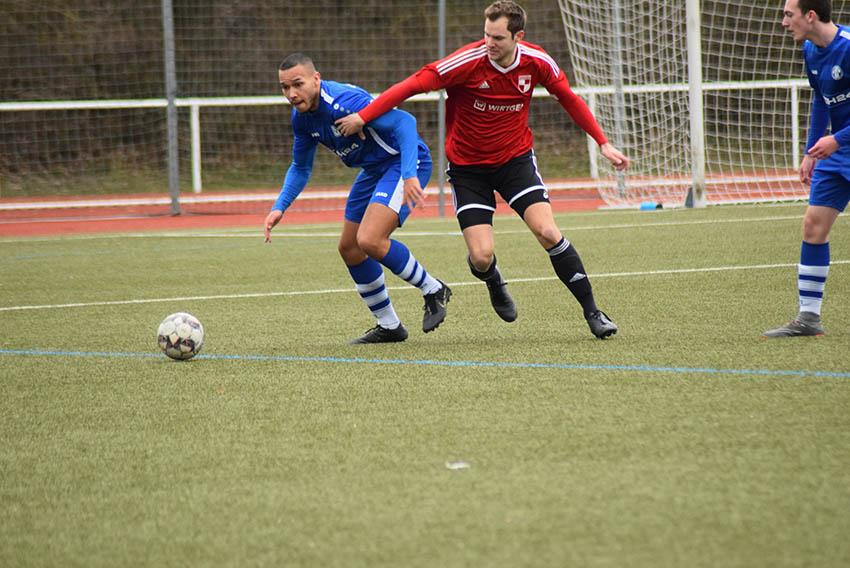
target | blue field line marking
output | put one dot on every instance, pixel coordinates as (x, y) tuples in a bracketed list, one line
[(494, 364)]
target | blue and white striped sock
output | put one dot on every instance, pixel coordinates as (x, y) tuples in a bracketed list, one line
[(369, 278), (403, 264), (811, 276)]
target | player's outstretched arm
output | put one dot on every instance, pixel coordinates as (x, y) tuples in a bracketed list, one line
[(297, 176), (620, 161), (581, 115), (272, 219), (350, 125), (389, 99)]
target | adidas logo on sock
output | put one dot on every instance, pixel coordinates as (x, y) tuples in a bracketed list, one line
[(577, 276)]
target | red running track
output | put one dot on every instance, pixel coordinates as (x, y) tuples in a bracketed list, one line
[(44, 222)]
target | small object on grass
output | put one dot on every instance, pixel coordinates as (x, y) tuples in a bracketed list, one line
[(650, 206)]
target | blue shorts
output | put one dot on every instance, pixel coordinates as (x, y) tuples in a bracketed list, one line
[(831, 183), (383, 185)]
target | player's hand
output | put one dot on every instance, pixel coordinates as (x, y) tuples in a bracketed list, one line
[(272, 219), (620, 161), (807, 166), (413, 194), (824, 148), (351, 125)]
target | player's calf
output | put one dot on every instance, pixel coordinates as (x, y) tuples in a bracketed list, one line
[(500, 298)]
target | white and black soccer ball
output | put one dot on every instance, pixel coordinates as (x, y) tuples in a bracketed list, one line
[(180, 336)]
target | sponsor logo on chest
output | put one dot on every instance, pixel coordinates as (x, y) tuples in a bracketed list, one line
[(837, 99), (484, 106), (343, 152)]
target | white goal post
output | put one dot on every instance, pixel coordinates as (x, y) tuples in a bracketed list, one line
[(707, 98)]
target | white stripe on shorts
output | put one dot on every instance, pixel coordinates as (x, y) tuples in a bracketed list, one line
[(524, 191), (474, 206)]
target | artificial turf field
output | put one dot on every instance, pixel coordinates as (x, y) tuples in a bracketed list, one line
[(685, 440)]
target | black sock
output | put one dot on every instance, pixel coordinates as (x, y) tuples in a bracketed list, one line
[(489, 274), (570, 270)]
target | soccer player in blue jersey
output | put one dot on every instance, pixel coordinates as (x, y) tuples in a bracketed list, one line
[(395, 164), (826, 165)]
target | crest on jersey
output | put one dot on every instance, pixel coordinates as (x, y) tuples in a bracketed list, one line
[(524, 83), (837, 73)]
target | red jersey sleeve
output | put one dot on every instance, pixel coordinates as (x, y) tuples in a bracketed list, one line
[(576, 108), (422, 81)]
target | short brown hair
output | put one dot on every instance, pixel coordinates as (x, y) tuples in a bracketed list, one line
[(507, 9)]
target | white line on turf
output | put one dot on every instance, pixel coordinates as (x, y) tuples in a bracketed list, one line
[(409, 288)]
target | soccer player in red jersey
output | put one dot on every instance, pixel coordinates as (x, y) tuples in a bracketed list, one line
[(489, 145)]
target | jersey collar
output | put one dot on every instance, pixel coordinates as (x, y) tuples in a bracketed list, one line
[(512, 65), (325, 96)]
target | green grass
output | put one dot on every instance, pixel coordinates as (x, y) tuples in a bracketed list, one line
[(686, 440)]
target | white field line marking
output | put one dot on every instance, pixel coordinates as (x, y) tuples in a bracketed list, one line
[(409, 288), (402, 233)]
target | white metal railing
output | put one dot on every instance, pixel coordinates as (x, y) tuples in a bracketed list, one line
[(588, 93)]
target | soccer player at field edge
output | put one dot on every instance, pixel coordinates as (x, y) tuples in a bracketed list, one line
[(826, 165), (489, 145), (395, 164)]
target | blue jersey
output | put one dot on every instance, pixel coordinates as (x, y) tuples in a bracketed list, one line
[(389, 138), (828, 69)]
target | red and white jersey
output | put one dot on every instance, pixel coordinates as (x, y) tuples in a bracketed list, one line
[(487, 104)]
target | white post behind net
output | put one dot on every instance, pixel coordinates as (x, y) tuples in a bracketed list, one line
[(755, 98)]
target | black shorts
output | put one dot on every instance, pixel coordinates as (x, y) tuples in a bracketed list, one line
[(473, 187)]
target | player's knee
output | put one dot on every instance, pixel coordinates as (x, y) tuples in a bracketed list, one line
[(548, 236), (815, 229), (481, 258), (372, 244), (349, 251)]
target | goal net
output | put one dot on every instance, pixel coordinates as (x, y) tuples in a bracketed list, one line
[(632, 57)]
